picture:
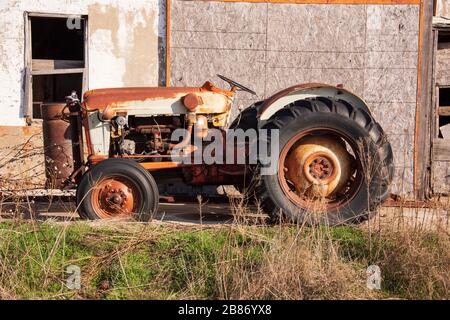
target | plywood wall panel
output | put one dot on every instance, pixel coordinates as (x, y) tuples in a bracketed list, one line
[(371, 49)]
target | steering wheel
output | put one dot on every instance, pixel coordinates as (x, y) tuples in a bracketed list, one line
[(234, 84)]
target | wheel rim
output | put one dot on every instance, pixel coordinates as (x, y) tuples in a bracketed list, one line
[(116, 196), (316, 167)]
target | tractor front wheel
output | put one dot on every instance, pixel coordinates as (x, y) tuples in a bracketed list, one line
[(117, 188)]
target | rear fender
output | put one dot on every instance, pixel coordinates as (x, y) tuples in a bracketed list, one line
[(300, 92)]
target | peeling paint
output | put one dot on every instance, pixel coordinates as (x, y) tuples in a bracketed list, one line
[(142, 58), (124, 44)]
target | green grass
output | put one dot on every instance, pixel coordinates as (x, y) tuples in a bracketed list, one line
[(155, 262)]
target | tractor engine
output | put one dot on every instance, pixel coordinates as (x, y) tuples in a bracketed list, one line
[(143, 136), (151, 139), (153, 136)]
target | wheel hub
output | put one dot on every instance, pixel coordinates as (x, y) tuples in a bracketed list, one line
[(114, 197), (321, 168), (318, 166)]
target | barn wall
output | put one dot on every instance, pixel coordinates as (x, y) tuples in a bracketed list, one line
[(371, 49)]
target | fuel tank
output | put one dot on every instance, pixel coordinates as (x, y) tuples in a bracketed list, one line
[(61, 143)]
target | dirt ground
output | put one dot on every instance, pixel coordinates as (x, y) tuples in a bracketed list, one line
[(216, 213), (182, 213)]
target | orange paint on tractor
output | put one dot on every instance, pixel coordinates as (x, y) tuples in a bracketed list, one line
[(102, 98)]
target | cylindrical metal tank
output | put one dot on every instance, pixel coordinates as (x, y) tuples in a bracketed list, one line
[(58, 139)]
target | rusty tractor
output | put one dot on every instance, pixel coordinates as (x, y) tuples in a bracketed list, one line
[(330, 161)]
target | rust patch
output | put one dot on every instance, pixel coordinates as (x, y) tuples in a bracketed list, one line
[(115, 196), (192, 101), (58, 135), (307, 188), (101, 98)]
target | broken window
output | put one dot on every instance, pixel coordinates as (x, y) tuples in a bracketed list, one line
[(444, 112), (443, 83), (56, 59), (440, 164)]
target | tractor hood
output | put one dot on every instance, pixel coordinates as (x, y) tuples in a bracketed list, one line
[(124, 98)]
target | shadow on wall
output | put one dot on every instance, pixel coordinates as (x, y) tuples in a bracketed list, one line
[(23, 108), (162, 43)]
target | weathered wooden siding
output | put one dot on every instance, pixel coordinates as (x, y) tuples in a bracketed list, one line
[(441, 147), (442, 75), (371, 49)]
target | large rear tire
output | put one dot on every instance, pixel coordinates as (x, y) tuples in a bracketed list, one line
[(117, 188), (247, 120), (335, 164)]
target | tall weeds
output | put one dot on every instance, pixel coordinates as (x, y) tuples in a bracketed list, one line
[(228, 262)]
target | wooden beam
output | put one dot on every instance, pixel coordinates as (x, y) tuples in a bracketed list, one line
[(44, 64), (28, 97), (422, 134), (444, 111), (441, 150), (59, 71), (441, 23), (380, 2), (168, 34), (54, 15)]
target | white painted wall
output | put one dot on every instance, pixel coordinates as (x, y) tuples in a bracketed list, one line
[(443, 8), (110, 48)]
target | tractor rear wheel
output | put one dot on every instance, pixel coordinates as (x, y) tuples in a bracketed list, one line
[(117, 188), (246, 120), (334, 167)]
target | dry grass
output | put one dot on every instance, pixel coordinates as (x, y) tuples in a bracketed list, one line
[(245, 260), (134, 261), (295, 266)]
